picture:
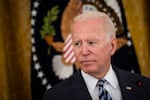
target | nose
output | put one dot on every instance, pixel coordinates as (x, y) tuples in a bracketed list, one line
[(85, 50)]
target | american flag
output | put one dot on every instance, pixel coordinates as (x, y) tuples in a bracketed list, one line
[(68, 50)]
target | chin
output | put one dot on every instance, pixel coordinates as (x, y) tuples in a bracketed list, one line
[(89, 70)]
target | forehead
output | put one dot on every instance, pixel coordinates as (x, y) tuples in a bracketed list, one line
[(89, 36), (92, 28)]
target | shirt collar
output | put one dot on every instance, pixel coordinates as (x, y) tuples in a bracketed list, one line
[(92, 81), (111, 77)]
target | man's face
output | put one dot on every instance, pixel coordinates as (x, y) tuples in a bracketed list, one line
[(91, 47)]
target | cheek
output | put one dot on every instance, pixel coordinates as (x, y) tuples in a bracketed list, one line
[(103, 51), (76, 53)]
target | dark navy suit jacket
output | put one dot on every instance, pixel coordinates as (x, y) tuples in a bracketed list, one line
[(133, 87)]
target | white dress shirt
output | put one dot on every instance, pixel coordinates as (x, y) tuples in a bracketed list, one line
[(111, 85)]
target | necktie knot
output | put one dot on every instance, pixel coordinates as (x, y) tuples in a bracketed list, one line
[(101, 82)]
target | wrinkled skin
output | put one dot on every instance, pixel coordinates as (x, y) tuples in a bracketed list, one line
[(92, 48)]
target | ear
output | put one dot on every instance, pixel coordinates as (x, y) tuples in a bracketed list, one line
[(113, 45)]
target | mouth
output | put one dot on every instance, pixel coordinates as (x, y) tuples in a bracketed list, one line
[(87, 62)]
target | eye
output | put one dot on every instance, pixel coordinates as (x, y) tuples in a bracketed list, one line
[(92, 43), (77, 43)]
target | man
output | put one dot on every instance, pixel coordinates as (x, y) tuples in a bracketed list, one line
[(94, 42)]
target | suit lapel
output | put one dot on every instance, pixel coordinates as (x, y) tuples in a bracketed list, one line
[(127, 85), (79, 89)]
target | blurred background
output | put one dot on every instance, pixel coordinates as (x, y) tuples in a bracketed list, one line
[(23, 65)]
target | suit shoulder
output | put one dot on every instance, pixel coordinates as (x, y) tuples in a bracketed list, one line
[(66, 83), (57, 91), (61, 85), (133, 76), (60, 90)]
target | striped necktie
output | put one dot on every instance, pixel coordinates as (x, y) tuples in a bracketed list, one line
[(103, 94)]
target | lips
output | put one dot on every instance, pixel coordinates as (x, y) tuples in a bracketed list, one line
[(87, 61)]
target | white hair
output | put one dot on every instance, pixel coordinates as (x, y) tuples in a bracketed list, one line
[(107, 22)]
